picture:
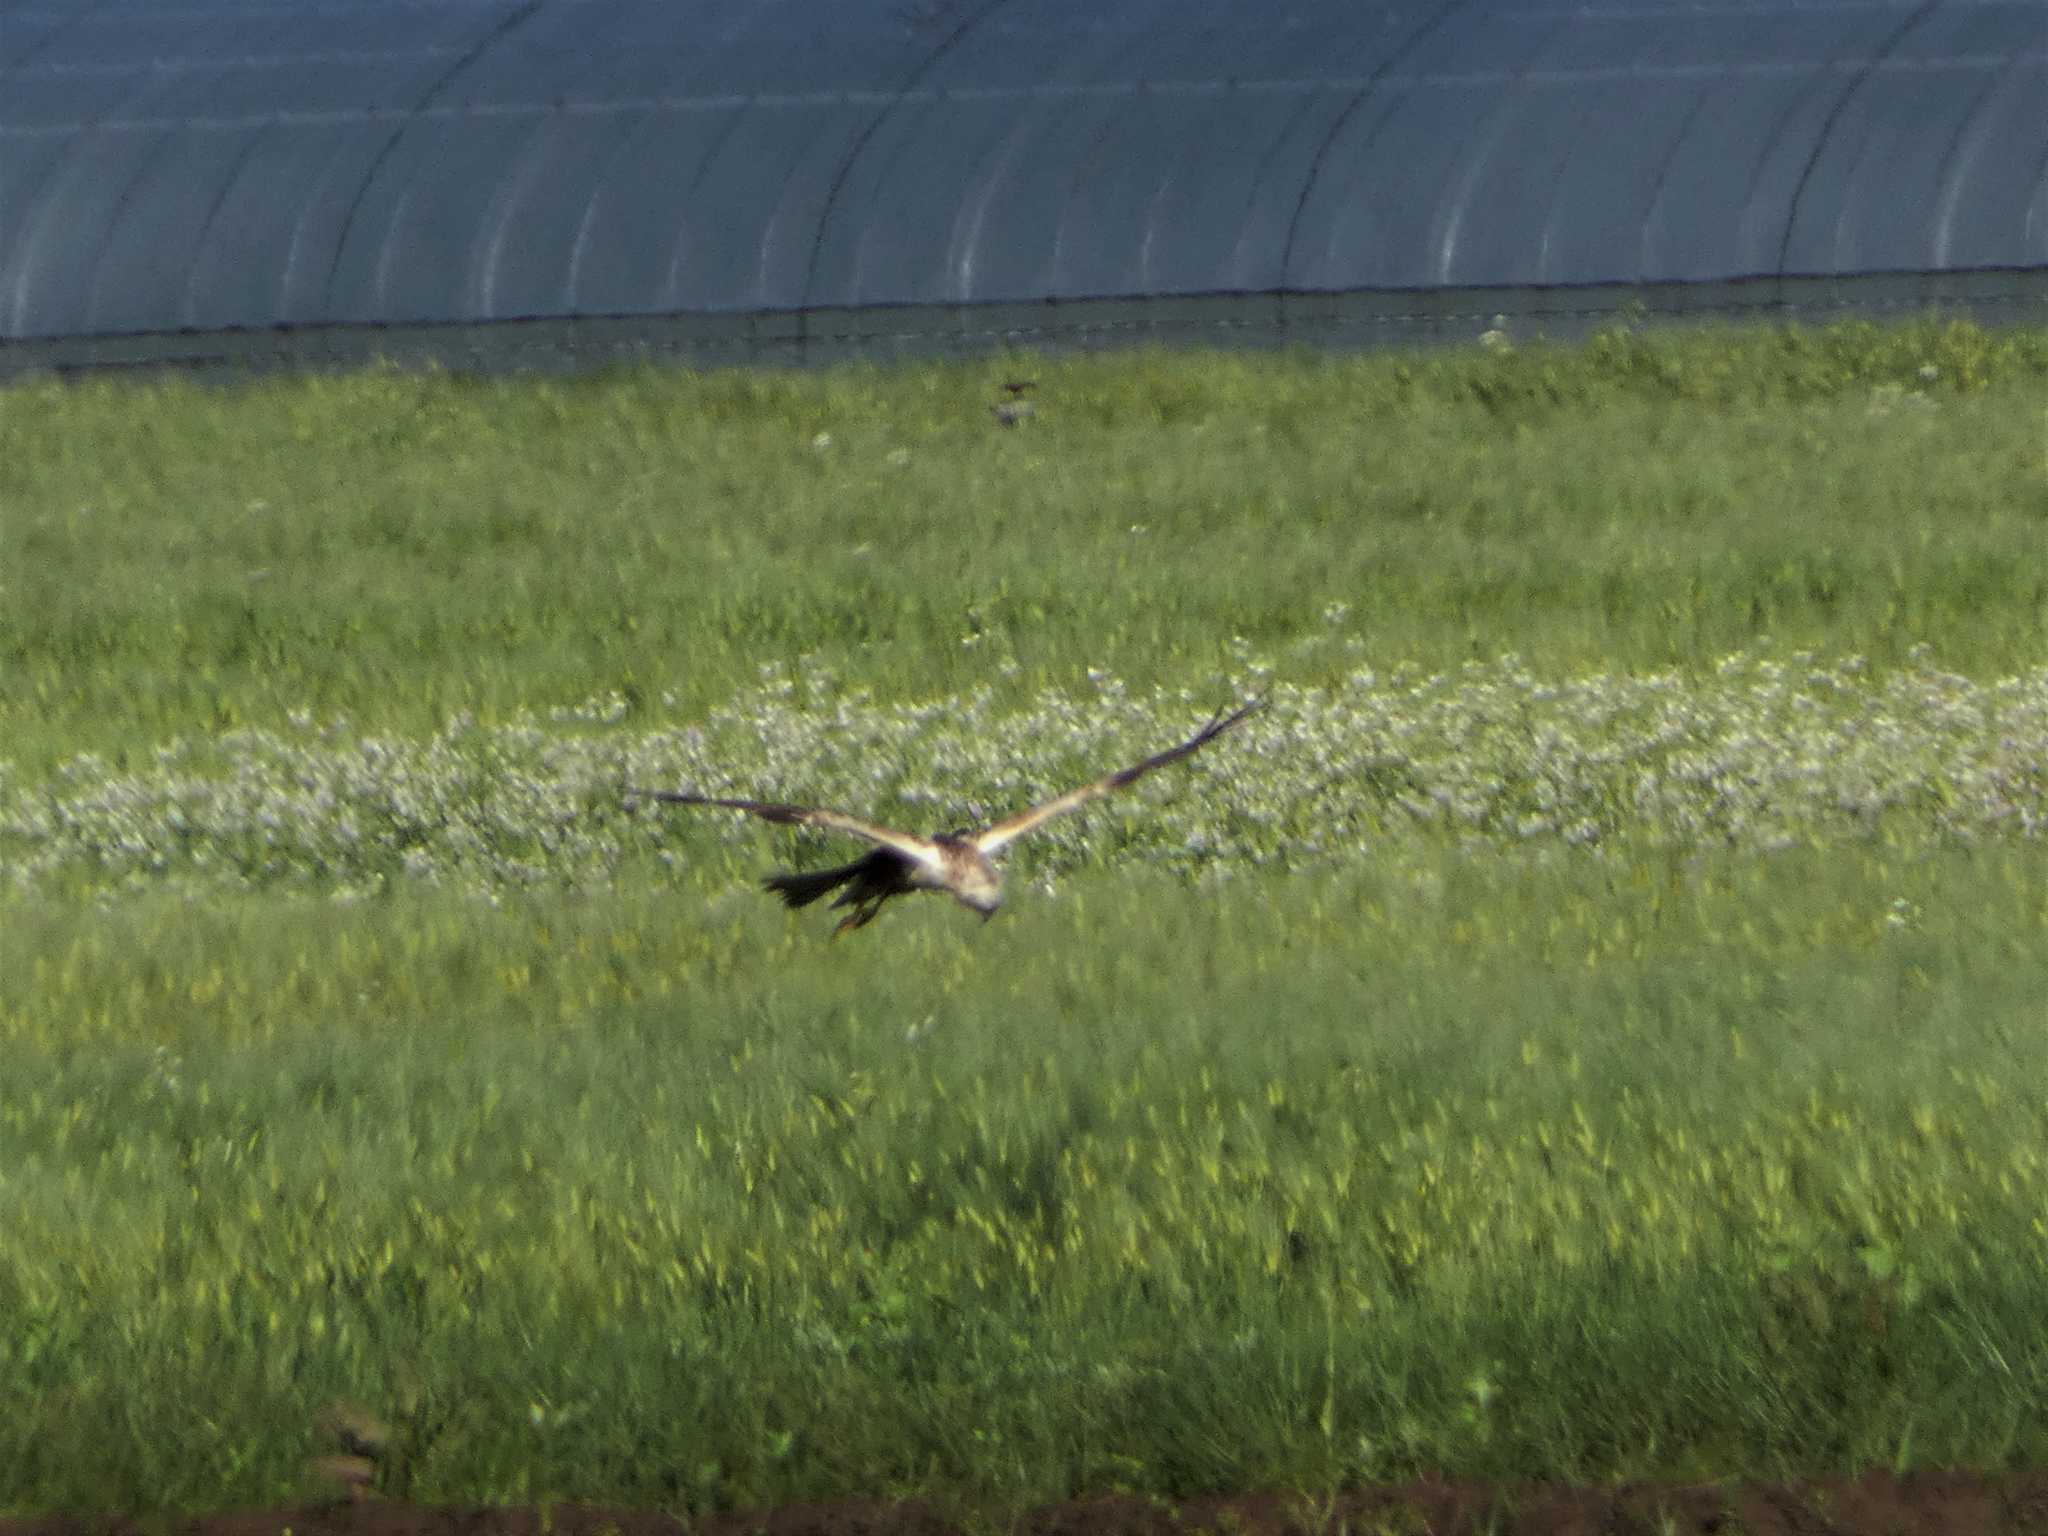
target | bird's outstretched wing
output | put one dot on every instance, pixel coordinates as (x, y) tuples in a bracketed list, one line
[(1011, 828), (921, 849)]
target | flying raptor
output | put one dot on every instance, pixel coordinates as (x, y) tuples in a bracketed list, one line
[(958, 863)]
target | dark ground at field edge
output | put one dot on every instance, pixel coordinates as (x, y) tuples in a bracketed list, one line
[(1877, 1504)]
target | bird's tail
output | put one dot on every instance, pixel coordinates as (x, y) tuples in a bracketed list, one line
[(800, 889)]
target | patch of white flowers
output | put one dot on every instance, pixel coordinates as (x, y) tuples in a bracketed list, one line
[(1760, 754)]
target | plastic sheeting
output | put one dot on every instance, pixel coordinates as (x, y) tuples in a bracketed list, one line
[(220, 165)]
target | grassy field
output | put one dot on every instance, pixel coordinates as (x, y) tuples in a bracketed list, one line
[(397, 549), (1592, 1024)]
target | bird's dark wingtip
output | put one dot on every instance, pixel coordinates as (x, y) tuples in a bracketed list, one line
[(674, 796), (1221, 722)]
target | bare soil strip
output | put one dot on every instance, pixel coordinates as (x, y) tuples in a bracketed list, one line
[(1877, 1504)]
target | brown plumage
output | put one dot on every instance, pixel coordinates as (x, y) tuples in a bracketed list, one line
[(958, 863)]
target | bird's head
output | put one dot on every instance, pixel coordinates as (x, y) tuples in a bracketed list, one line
[(977, 885)]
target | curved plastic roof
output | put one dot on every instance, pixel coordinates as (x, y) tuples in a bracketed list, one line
[(213, 165)]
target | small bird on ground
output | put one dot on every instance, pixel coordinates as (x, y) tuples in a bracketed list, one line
[(1015, 410), (958, 863)]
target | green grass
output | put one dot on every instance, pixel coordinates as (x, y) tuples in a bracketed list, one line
[(178, 560), (1623, 1061), (1556, 1169)]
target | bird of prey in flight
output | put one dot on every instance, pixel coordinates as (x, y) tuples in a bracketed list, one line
[(958, 863)]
